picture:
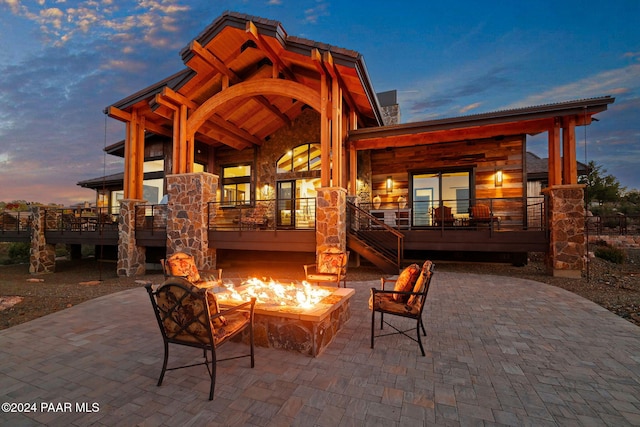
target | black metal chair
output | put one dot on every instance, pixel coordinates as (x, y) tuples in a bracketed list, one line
[(408, 304), (190, 316)]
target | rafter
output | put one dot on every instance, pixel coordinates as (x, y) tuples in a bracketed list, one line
[(276, 112), (252, 30), (212, 60)]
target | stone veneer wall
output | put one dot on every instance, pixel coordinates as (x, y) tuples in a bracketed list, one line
[(331, 219), (567, 244), (42, 256), (131, 257), (187, 225)]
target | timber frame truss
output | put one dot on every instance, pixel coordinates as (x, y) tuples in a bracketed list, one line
[(245, 79)]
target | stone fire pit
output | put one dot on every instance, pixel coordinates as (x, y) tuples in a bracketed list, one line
[(307, 329)]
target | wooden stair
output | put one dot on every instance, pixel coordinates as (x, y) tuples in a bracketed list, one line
[(359, 246)]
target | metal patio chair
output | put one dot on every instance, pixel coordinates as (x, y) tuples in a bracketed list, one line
[(401, 302), (190, 316)]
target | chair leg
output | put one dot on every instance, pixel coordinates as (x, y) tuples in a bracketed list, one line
[(373, 321), (164, 364), (213, 374), (418, 334), (423, 330), (251, 345)]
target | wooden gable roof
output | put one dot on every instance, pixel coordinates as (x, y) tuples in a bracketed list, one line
[(241, 48)]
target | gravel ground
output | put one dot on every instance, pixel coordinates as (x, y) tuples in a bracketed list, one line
[(24, 297)]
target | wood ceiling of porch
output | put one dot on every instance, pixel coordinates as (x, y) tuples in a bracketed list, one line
[(235, 49)]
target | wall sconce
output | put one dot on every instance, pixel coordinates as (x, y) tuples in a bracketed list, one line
[(265, 190), (499, 178), (389, 184)]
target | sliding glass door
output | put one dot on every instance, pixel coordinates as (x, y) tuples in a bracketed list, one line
[(440, 188)]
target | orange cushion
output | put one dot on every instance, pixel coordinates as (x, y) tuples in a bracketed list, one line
[(480, 211), (421, 283), (405, 282), (183, 265), (330, 262)]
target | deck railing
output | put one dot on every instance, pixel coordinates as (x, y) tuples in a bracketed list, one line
[(265, 214), (15, 222), (374, 233), (504, 213), (151, 218), (616, 224), (81, 220)]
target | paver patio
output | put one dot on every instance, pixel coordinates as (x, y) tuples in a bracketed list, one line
[(500, 351)]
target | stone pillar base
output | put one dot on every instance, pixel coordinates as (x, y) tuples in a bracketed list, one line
[(42, 256), (187, 214), (331, 219), (567, 244), (131, 257)]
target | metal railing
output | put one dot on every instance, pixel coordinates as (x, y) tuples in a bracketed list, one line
[(615, 224), (15, 222), (266, 214), (504, 213), (81, 220), (375, 233), (151, 218)]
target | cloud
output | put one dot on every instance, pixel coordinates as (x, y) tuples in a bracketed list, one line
[(312, 14), (625, 80), (467, 108), (59, 25)]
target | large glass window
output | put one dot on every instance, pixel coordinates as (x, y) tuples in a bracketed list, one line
[(236, 185), (430, 190), (303, 158)]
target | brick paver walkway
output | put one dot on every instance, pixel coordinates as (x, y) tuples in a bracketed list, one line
[(500, 351)]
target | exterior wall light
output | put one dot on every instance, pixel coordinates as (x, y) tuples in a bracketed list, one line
[(499, 178), (389, 185)]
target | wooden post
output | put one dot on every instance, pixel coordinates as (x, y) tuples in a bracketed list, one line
[(336, 133), (353, 156), (569, 161), (325, 136), (555, 171)]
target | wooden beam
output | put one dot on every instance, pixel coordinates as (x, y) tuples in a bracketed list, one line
[(118, 114), (336, 134), (277, 113), (353, 157), (248, 89), (569, 160), (213, 60), (275, 59), (451, 135), (554, 163), (325, 135)]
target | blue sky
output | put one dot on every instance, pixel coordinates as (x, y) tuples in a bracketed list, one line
[(63, 62)]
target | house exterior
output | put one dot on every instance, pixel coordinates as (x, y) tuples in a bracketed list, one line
[(267, 142)]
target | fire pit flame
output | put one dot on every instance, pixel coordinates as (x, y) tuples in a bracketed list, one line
[(303, 296)]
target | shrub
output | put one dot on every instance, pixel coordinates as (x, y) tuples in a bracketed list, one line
[(609, 253), (18, 252)]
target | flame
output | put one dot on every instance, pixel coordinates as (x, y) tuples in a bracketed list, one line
[(292, 295)]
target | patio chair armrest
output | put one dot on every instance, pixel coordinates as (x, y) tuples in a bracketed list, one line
[(384, 280), (307, 267), (382, 291), (226, 310), (217, 274)]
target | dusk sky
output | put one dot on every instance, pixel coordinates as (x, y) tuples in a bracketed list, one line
[(63, 62)]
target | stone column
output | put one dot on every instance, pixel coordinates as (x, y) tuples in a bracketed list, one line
[(42, 256), (567, 244), (331, 219), (131, 257), (187, 221)]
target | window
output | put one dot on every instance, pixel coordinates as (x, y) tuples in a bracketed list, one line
[(236, 185), (449, 188), (303, 158)]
